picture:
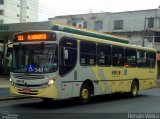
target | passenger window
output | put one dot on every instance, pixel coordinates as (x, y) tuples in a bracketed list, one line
[(151, 59), (117, 56), (104, 55), (130, 57), (87, 53), (141, 58)]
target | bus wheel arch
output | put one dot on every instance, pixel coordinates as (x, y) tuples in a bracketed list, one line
[(134, 88), (87, 89)]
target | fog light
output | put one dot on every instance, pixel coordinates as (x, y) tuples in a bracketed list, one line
[(51, 82)]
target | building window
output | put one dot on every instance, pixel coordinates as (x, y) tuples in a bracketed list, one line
[(98, 25), (1, 12), (1, 2), (27, 17), (18, 15), (150, 22), (85, 24), (118, 24), (18, 5), (1, 21), (74, 23)]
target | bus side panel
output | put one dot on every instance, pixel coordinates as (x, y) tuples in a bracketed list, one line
[(96, 77), (147, 78)]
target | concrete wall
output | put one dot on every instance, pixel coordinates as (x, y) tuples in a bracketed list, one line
[(134, 22)]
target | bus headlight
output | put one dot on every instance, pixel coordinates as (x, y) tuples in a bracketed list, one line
[(11, 81), (51, 82)]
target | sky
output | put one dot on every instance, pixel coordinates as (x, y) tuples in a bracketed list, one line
[(52, 8)]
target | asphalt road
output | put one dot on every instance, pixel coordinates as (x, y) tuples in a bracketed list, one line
[(103, 107)]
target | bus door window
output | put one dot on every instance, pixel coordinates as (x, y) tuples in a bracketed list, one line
[(68, 55)]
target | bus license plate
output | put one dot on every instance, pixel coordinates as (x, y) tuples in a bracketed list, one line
[(27, 90)]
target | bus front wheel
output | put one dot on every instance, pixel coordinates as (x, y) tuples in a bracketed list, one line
[(85, 94)]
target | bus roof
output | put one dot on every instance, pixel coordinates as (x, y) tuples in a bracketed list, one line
[(85, 32)]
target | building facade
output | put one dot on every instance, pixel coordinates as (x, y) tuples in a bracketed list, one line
[(18, 11), (140, 27)]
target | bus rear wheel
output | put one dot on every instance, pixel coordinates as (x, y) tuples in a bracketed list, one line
[(85, 94), (134, 89)]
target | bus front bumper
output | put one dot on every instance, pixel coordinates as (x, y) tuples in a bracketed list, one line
[(48, 92)]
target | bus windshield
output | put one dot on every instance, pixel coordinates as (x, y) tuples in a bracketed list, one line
[(34, 58)]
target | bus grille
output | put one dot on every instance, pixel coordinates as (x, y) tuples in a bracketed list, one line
[(28, 77), (30, 86)]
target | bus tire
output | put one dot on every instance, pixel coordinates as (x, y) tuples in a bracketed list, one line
[(134, 89), (85, 94)]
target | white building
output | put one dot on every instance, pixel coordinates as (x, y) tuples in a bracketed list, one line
[(17, 11), (141, 27)]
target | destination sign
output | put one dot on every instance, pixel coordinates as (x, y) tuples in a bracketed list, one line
[(34, 37)]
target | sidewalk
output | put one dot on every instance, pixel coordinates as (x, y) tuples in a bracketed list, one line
[(4, 89)]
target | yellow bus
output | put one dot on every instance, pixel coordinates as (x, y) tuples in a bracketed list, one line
[(66, 62)]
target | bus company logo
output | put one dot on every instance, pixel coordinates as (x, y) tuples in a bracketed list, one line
[(116, 73)]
